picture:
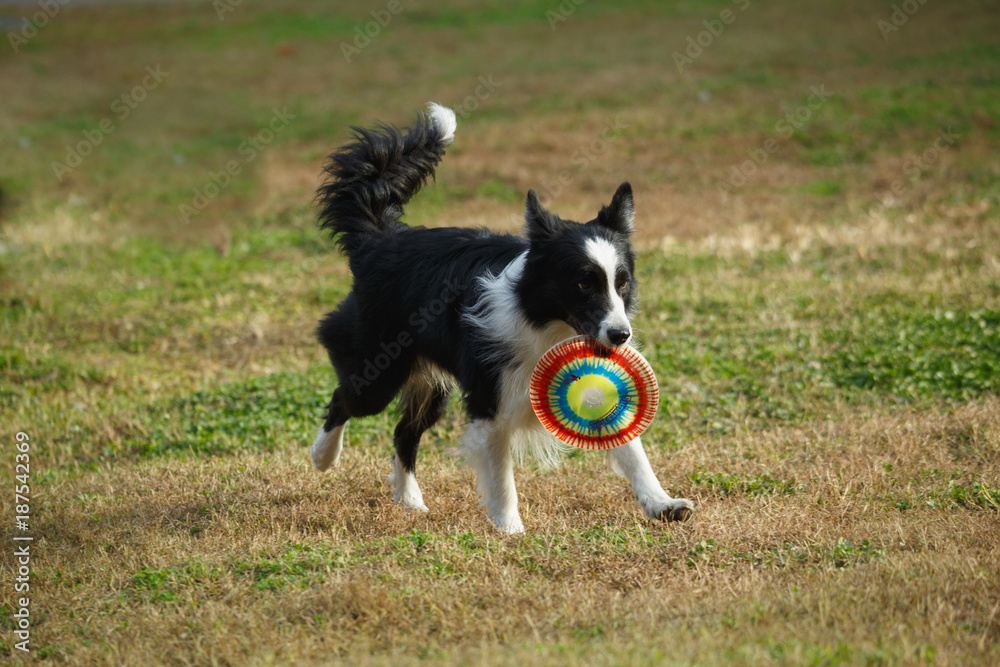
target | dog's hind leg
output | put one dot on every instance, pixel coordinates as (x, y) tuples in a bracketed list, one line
[(365, 389), (630, 461), (325, 451), (345, 404), (424, 401)]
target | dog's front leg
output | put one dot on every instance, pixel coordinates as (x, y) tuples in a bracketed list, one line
[(487, 450), (630, 461)]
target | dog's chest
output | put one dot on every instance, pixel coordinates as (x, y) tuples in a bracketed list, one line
[(515, 402)]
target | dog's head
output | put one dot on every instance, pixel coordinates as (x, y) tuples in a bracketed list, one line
[(582, 274)]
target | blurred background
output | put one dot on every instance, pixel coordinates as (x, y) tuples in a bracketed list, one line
[(671, 96)]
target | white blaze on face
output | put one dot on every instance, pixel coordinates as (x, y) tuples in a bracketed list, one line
[(605, 255)]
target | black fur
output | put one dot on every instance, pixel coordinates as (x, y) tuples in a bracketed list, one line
[(413, 286), (371, 180), (555, 270)]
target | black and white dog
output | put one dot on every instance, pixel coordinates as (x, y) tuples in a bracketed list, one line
[(432, 308)]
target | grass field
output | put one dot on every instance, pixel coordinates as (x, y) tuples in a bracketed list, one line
[(818, 202)]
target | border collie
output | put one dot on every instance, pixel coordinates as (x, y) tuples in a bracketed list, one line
[(435, 308)]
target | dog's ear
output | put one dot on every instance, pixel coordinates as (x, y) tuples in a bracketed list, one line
[(619, 216), (542, 225)]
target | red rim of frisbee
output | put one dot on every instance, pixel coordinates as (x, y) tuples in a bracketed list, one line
[(633, 403)]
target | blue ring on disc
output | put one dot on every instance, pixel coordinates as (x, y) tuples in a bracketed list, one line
[(593, 397)]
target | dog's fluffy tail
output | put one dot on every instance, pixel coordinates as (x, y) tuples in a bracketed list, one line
[(369, 180)]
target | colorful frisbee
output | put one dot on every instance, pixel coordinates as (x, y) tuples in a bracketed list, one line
[(593, 397)]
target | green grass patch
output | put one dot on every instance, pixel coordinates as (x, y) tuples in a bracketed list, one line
[(762, 484), (262, 414), (824, 188), (842, 554), (947, 354)]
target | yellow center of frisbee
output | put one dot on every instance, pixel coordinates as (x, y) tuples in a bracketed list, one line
[(592, 396)]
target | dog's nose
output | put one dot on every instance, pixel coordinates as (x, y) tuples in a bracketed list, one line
[(619, 336)]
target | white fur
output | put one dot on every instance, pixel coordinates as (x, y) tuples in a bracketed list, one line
[(407, 491), (444, 120), (326, 449), (605, 255), (487, 451), (499, 317), (492, 446), (630, 462)]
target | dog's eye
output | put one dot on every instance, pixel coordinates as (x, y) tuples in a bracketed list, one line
[(585, 285)]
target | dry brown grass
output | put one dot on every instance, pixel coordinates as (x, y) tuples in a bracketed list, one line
[(752, 578)]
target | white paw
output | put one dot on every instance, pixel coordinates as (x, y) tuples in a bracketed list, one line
[(415, 504), (326, 449), (511, 525), (671, 509), (406, 490)]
